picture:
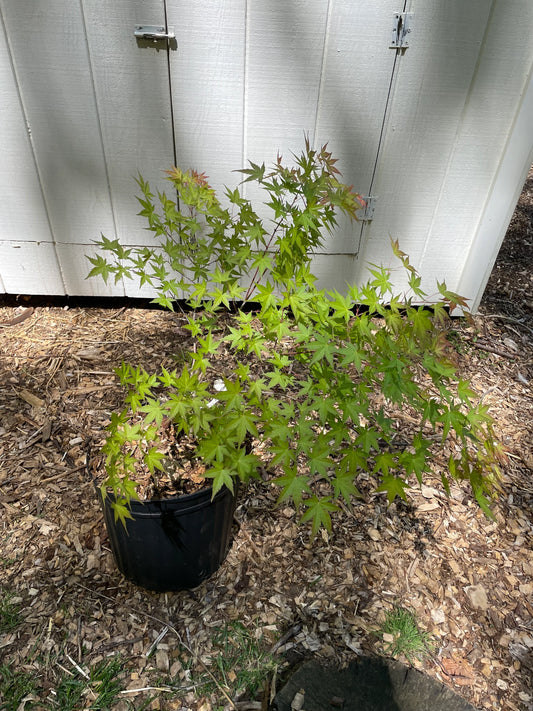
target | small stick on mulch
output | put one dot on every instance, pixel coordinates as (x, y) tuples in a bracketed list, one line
[(492, 349), (18, 319)]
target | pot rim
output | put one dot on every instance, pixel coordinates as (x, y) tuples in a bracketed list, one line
[(161, 501)]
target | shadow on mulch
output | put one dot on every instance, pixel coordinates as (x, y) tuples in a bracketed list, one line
[(368, 684)]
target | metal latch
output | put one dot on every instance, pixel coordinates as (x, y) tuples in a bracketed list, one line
[(369, 209), (154, 32), (401, 28)]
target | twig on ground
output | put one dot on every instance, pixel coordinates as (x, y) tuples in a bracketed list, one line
[(492, 349), (158, 639), (503, 317), (77, 667), (292, 632), (18, 319), (148, 688)]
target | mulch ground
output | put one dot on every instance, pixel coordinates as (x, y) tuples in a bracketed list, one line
[(468, 579)]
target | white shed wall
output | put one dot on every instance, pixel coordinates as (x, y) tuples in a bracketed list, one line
[(456, 101), (441, 132)]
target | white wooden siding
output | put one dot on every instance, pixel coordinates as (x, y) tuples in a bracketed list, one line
[(23, 217), (500, 201), (435, 131), (207, 73), (425, 121), (358, 68)]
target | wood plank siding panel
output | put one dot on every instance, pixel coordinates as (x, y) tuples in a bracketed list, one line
[(23, 217), (500, 202), (307, 72), (207, 72), (284, 51), (435, 131), (502, 75), (430, 96), (132, 96), (358, 68), (455, 102), (497, 140), (49, 52), (30, 268)]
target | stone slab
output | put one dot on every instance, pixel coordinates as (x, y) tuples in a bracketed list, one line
[(368, 684)]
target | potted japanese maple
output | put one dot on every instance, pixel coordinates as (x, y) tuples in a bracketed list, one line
[(321, 386)]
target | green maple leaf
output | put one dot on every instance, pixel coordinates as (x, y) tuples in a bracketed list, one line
[(283, 453), (342, 305), (255, 172), (152, 459), (101, 267), (353, 460), (465, 392), (212, 449), (245, 465), (231, 395), (416, 463), (452, 419), (326, 409), (478, 416), (319, 513), (381, 281), (451, 298), (394, 384), (344, 486), (394, 486), (352, 355), (319, 457), (421, 321), (292, 487), (277, 377), (242, 424), (368, 439), (154, 411), (221, 477), (121, 512), (385, 462), (129, 489), (483, 502), (321, 348), (131, 433), (264, 294), (414, 282), (351, 408), (208, 344), (278, 415)]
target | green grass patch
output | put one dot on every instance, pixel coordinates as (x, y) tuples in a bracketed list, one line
[(105, 683), (240, 664), (69, 693), (100, 692), (402, 637), (14, 687), (10, 616)]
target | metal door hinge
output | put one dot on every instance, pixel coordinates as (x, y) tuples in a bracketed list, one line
[(154, 32), (401, 29), (367, 212)]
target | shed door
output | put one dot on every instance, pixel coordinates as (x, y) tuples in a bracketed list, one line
[(251, 77), (244, 79), (96, 111)]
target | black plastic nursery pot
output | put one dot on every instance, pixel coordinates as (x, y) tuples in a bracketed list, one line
[(172, 544)]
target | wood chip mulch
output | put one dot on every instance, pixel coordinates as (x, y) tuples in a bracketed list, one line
[(468, 579)]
